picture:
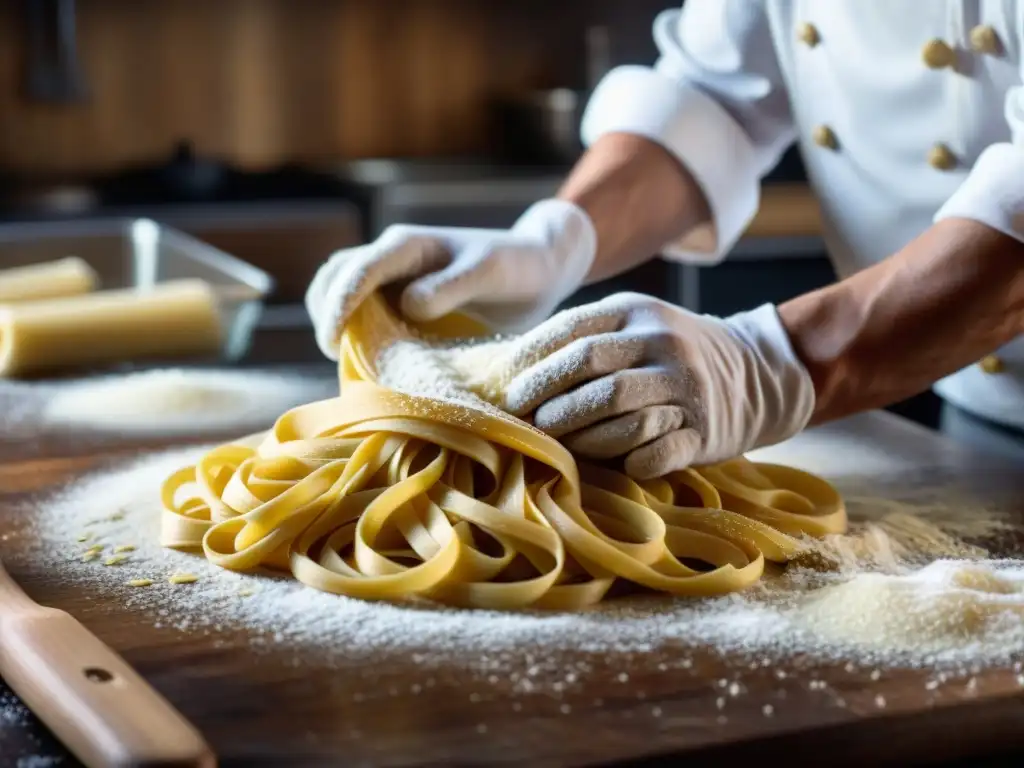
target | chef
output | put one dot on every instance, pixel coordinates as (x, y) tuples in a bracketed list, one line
[(910, 118)]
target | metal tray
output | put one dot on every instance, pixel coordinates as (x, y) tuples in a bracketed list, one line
[(141, 253)]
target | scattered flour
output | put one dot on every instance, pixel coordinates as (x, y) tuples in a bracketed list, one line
[(171, 401), (12, 711), (472, 373), (38, 761), (475, 371), (419, 368), (946, 604), (949, 614), (15, 716)]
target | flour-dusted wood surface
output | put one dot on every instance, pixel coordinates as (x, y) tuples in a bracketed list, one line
[(264, 710), (97, 705)]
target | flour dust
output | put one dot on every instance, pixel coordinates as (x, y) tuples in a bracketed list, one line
[(166, 401), (868, 598)]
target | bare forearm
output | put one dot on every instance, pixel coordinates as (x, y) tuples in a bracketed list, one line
[(639, 198), (951, 296)]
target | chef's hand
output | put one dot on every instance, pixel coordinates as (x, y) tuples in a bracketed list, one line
[(508, 279), (636, 377)]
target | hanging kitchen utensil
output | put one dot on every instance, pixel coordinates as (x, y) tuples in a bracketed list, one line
[(52, 72)]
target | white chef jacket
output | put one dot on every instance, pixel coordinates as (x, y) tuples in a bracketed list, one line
[(906, 111)]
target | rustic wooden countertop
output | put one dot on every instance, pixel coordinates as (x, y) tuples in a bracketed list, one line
[(264, 711)]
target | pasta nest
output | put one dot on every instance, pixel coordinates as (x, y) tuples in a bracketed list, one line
[(382, 495)]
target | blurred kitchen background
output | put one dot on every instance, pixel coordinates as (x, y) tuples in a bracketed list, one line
[(282, 130)]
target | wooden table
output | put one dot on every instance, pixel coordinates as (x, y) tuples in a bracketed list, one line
[(262, 711)]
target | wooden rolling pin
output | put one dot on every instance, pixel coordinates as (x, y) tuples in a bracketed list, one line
[(86, 694)]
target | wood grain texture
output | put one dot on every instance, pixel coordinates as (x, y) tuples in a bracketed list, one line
[(263, 81), (267, 710), (98, 706)]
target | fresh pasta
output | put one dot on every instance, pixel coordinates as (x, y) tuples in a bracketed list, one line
[(385, 495)]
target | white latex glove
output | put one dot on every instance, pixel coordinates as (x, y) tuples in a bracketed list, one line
[(637, 377), (508, 279)]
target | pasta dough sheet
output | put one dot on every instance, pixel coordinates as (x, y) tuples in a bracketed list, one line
[(65, 277), (439, 495), (171, 319)]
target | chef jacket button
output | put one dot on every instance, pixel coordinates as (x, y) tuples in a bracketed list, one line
[(991, 364), (937, 54), (941, 157), (984, 40), (808, 34), (825, 137)]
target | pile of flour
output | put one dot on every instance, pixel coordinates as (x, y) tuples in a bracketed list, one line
[(163, 401)]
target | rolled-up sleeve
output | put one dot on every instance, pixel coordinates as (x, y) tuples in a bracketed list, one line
[(716, 100)]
